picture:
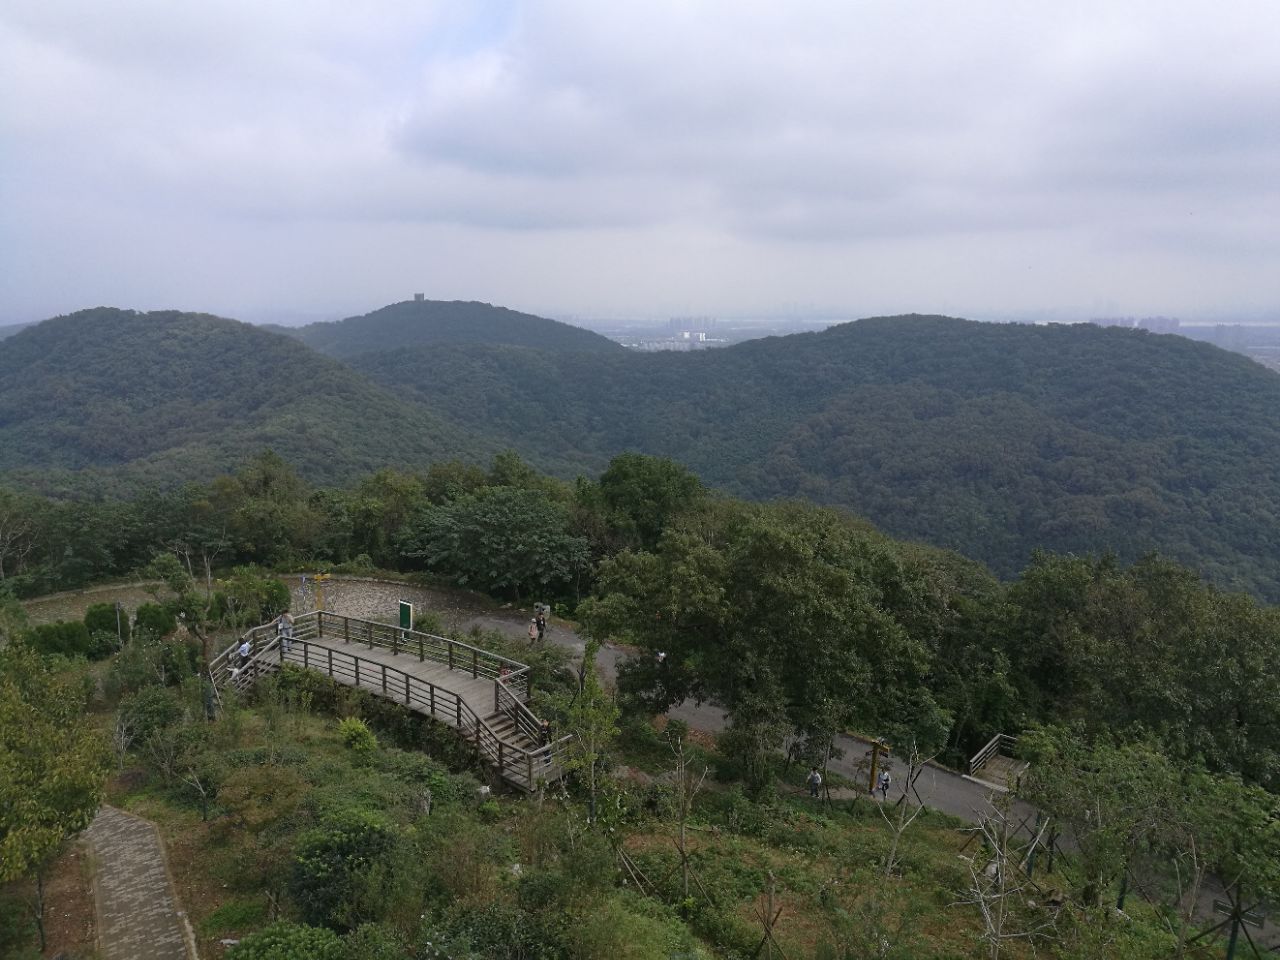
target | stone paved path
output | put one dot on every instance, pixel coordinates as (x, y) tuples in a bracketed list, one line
[(138, 912)]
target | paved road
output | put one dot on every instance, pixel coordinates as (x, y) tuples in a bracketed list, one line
[(138, 913)]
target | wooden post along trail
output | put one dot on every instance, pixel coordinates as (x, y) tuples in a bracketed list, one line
[(481, 694)]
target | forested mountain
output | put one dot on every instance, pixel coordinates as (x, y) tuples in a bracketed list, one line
[(165, 397), (416, 323), (993, 440), (11, 329)]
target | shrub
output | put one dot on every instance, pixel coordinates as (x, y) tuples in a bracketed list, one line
[(150, 710), (332, 862), (374, 941), (156, 620), (68, 639), (288, 941), (357, 735), (104, 618)]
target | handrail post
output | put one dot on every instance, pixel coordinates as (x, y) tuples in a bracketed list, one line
[(384, 679), (420, 650), (320, 625), (528, 763), (496, 705), (330, 652), (346, 629), (305, 649), (406, 689), (432, 686), (457, 704), (368, 633), (356, 661), (450, 643), (500, 763), (475, 663)]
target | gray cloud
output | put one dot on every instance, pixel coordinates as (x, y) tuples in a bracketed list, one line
[(636, 157)]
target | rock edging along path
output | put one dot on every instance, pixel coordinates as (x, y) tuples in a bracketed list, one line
[(139, 917)]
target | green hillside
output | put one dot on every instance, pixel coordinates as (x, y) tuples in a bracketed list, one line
[(993, 440), (165, 397), (416, 323)]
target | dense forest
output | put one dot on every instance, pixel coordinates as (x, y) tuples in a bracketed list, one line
[(837, 614), (991, 440), (419, 323), (114, 400), (1139, 691)]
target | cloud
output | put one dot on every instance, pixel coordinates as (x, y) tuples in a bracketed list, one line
[(930, 128)]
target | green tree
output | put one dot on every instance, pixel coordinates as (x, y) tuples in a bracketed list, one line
[(503, 540), (642, 494), (592, 717), (1111, 796), (108, 619), (53, 765)]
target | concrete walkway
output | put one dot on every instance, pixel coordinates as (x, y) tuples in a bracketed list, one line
[(138, 914)]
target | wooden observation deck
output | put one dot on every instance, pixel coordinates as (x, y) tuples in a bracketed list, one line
[(481, 694)]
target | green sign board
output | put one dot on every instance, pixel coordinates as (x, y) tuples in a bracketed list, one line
[(406, 615)]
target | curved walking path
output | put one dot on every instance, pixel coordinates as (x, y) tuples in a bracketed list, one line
[(138, 913)]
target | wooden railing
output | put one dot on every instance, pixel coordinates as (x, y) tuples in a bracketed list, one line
[(993, 747), (516, 763), (426, 646)]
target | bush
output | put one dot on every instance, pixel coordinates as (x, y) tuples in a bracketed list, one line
[(156, 620), (332, 862), (67, 639), (357, 735), (288, 941), (374, 941), (150, 711), (104, 618)]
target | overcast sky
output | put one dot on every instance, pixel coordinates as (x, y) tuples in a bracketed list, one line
[(325, 157)]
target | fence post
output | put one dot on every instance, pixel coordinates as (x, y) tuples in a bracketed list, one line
[(432, 687), (406, 689), (528, 764), (475, 663), (356, 660), (496, 704), (450, 643), (368, 633), (346, 629), (457, 702), (501, 772), (384, 679), (306, 647), (420, 652), (320, 625), (330, 652)]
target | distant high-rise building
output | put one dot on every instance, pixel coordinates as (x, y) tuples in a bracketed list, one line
[(419, 297)]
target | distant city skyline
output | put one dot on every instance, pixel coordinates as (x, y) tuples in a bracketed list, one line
[(992, 160)]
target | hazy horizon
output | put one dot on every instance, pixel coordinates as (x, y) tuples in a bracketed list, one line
[(992, 161)]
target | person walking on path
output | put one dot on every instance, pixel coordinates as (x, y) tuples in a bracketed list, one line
[(814, 780), (533, 631), (245, 650), (541, 622), (883, 784), (284, 630)]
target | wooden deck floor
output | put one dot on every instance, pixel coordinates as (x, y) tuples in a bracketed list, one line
[(478, 693)]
